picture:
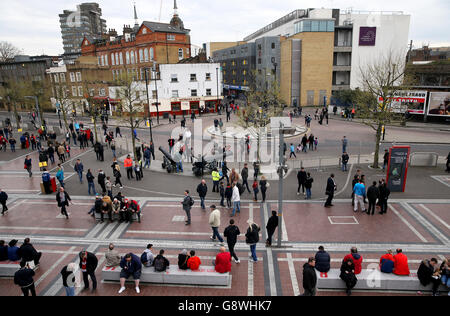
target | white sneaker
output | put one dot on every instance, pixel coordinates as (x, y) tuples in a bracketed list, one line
[(237, 261), (121, 290), (298, 193), (138, 290)]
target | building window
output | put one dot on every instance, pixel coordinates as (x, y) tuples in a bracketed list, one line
[(193, 93), (127, 57), (117, 59), (78, 76), (173, 78), (63, 77), (142, 73), (174, 93), (141, 55), (146, 55), (154, 94), (144, 31), (113, 61), (121, 59), (193, 77), (102, 92), (91, 92), (180, 53), (170, 37), (106, 60), (114, 74), (259, 61), (56, 78), (208, 92), (208, 77), (187, 52), (132, 57), (74, 91), (80, 91), (152, 54), (99, 60)]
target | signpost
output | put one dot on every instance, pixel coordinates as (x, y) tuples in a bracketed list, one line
[(398, 168)]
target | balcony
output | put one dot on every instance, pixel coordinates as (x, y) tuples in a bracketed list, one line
[(342, 67), (343, 47), (342, 86)]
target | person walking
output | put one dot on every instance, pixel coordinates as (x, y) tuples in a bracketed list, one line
[(3, 199), (263, 185), (28, 165), (345, 158), (90, 180), (101, 179), (373, 193), (24, 279), (360, 192), (117, 175), (271, 226), (236, 199), (216, 179), (292, 147), (79, 170), (344, 144), (214, 222), (63, 200), (187, 203), (330, 189), (202, 190), (308, 186), (128, 165), (448, 163), (231, 233), (244, 175), (384, 196), (309, 277), (386, 159), (60, 175), (301, 178), (88, 265), (252, 238)]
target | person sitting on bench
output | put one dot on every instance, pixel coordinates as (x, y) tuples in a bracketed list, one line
[(194, 262), (222, 263), (401, 263), (161, 263), (3, 251), (428, 273), (112, 257), (13, 251), (387, 262), (28, 253), (131, 266), (183, 258)]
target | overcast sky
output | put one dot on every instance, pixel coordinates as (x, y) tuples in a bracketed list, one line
[(34, 26)]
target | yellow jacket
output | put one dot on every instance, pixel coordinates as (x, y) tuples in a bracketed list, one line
[(215, 176)]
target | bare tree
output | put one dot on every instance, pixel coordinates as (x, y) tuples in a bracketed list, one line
[(64, 101), (94, 107), (381, 80), (13, 93), (262, 105), (130, 109), (8, 51)]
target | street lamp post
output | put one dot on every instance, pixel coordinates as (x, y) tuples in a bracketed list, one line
[(156, 88), (148, 102), (218, 96), (37, 108)]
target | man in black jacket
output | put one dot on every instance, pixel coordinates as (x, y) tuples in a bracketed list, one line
[(63, 198), (202, 189), (88, 265), (301, 177), (3, 199), (272, 224), (231, 233), (28, 253), (322, 260), (244, 174), (24, 279), (331, 187), (428, 272), (309, 278), (384, 196), (372, 195), (101, 180)]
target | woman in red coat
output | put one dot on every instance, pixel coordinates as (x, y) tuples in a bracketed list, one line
[(357, 259), (401, 263)]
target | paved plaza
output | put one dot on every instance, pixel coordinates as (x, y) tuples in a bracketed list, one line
[(417, 221)]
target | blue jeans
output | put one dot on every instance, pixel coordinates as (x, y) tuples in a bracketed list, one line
[(114, 153), (236, 206), (445, 280), (147, 162), (80, 175), (253, 251), (344, 167), (308, 194), (70, 291), (180, 166), (344, 148), (91, 185), (216, 234), (202, 203)]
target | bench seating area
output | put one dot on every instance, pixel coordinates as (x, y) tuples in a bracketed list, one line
[(173, 275), (374, 280), (9, 268), (115, 216)]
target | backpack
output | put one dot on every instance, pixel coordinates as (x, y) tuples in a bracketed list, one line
[(241, 188), (46, 177), (191, 202), (160, 264), (144, 258)]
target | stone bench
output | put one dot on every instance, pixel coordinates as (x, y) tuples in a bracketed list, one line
[(9, 268), (374, 280), (173, 275), (115, 216)]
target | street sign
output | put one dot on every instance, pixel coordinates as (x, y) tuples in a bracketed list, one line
[(398, 168)]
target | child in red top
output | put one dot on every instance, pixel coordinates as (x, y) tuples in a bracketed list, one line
[(194, 262)]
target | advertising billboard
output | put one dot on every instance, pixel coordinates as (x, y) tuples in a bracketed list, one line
[(367, 36), (412, 102), (439, 104), (398, 168)]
